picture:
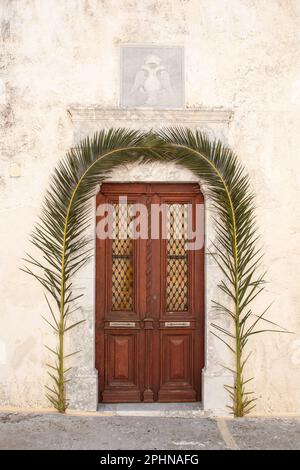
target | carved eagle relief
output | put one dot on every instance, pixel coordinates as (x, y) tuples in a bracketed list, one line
[(152, 82)]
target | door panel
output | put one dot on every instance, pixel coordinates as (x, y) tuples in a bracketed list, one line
[(122, 368), (149, 298), (177, 367)]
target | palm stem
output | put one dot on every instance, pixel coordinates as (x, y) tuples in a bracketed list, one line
[(238, 395), (62, 402)]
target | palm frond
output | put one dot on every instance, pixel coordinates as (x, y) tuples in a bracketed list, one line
[(236, 250), (60, 233)]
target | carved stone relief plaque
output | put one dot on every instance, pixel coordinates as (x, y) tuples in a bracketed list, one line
[(152, 76)]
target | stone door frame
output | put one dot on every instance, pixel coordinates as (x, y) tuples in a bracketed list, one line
[(85, 120)]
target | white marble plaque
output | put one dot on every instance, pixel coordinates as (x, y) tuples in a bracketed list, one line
[(152, 76)]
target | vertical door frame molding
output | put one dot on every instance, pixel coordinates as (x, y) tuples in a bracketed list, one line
[(85, 120)]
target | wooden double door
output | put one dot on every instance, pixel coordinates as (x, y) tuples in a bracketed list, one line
[(149, 294)]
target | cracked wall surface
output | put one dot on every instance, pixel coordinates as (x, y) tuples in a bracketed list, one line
[(241, 55)]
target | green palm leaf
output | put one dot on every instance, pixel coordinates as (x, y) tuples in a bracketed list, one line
[(236, 251), (59, 234)]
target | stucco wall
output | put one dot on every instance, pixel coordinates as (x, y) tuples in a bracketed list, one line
[(239, 54)]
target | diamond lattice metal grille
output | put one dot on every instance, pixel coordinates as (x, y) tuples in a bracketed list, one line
[(177, 259), (122, 260)]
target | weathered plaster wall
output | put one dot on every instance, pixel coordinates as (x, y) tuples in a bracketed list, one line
[(240, 54)]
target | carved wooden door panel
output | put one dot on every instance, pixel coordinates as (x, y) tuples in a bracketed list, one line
[(149, 294)]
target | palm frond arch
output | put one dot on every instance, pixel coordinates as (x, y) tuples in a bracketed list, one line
[(60, 236)]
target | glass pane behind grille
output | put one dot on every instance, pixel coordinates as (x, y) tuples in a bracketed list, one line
[(177, 259), (122, 261)]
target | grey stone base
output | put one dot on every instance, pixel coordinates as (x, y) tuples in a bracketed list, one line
[(178, 410), (215, 397), (83, 391)]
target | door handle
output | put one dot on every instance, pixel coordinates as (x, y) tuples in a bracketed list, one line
[(126, 324), (177, 324)]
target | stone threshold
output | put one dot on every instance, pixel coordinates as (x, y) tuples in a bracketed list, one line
[(176, 410)]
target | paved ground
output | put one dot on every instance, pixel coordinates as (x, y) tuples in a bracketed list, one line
[(54, 431)]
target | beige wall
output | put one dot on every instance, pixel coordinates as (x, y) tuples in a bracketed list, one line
[(240, 54)]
